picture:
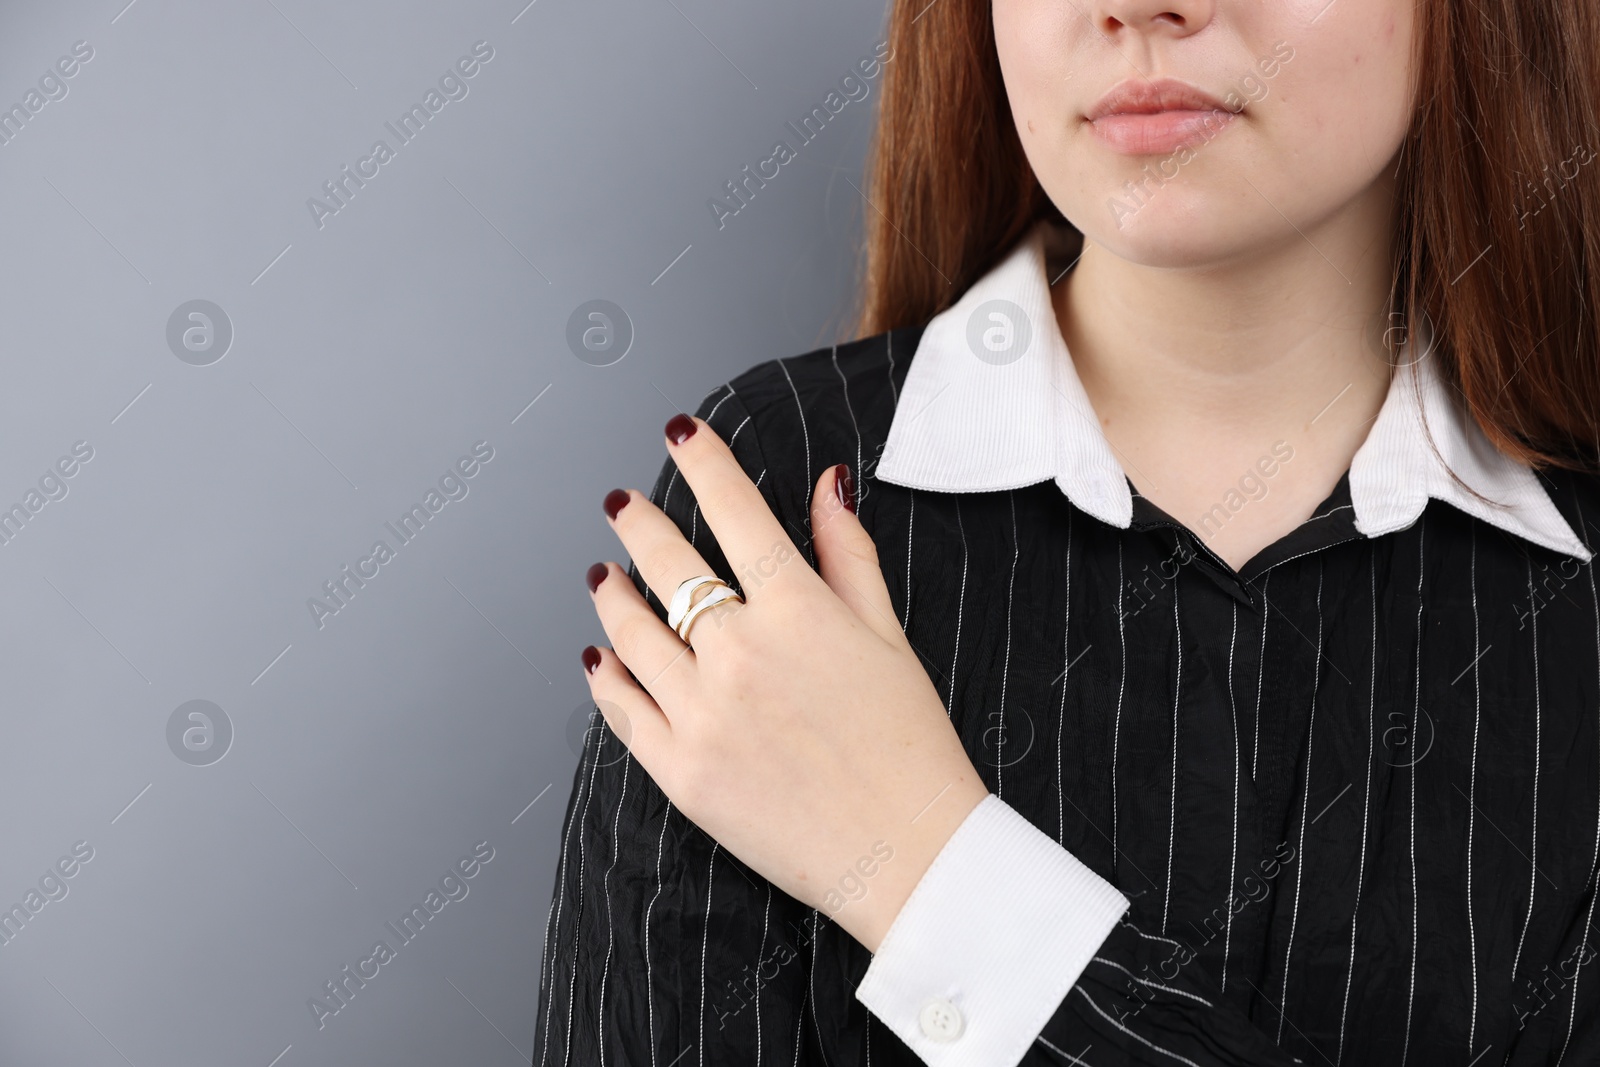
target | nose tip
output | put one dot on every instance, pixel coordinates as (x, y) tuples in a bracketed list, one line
[(1171, 17)]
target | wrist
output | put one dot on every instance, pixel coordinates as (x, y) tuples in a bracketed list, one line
[(870, 918)]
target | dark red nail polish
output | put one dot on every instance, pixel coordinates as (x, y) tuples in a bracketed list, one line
[(597, 574), (591, 658), (845, 487), (615, 500), (680, 428)]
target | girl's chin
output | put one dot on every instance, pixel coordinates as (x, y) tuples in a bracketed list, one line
[(1174, 235)]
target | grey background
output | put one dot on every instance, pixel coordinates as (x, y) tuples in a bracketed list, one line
[(368, 355)]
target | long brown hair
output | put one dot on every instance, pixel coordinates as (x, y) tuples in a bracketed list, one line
[(1497, 239)]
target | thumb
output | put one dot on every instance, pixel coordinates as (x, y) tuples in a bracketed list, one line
[(847, 559)]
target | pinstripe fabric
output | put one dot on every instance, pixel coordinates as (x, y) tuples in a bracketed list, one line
[(1368, 795)]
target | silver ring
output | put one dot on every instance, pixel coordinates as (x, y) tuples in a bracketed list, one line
[(685, 592), (717, 595)]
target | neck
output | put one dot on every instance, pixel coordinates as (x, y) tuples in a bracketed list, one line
[(1200, 373), (1269, 333), (1203, 366)]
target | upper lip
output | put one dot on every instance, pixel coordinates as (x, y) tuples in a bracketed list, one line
[(1136, 96)]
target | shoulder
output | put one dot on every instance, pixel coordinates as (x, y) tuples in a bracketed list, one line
[(789, 419), (807, 412), (864, 374), (862, 377)]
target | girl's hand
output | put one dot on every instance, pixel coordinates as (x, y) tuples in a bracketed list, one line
[(800, 731)]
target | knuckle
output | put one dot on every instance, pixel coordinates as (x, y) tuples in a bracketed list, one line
[(798, 608), (737, 657), (659, 560), (720, 498), (628, 638), (766, 566), (863, 549), (749, 680)]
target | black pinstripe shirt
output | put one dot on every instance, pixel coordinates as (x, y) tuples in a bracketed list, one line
[(1352, 787)]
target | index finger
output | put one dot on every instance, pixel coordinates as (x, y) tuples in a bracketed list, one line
[(744, 526)]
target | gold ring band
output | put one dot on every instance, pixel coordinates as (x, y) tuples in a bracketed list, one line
[(684, 594), (721, 592)]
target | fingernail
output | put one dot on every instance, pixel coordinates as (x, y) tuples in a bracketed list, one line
[(615, 500), (597, 574), (680, 428), (844, 487), (591, 658)]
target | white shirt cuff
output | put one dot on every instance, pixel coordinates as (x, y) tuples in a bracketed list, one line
[(989, 942)]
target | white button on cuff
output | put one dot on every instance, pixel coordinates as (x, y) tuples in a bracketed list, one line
[(941, 1020)]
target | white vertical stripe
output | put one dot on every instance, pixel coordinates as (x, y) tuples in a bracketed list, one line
[(1005, 669), (1061, 714), (1366, 801), (544, 958), (1416, 710), (805, 434), (1233, 855), (844, 387), (1472, 789), (649, 969), (961, 604), (799, 1020), (816, 1020), (1116, 729), (1533, 861), (1588, 922), (611, 930), (766, 917), (1261, 663), (705, 939), (894, 393), (577, 942), (911, 517), (1177, 696), (1305, 803), (560, 898)]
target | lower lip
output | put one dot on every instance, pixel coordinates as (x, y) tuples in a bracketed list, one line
[(1163, 131)]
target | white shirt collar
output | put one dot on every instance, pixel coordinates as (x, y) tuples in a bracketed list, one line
[(981, 412)]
